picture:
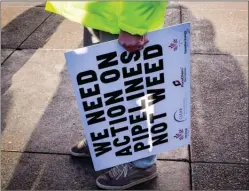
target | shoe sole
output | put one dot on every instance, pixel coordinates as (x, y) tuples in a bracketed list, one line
[(128, 185), (80, 155)]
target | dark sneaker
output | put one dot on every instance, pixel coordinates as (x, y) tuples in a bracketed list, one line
[(125, 176), (81, 149)]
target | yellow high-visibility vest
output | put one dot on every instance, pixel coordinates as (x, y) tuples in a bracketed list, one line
[(133, 17)]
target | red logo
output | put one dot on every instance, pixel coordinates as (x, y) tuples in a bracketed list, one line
[(179, 135), (175, 44)]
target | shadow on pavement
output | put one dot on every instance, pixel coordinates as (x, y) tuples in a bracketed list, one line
[(219, 95), (9, 69)]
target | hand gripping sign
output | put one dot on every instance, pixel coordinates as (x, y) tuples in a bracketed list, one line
[(134, 105)]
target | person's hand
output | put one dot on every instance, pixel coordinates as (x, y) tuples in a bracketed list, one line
[(132, 43)]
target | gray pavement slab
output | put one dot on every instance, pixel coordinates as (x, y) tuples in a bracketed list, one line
[(60, 172), (18, 23), (218, 31), (178, 154), (214, 5), (5, 53), (23, 4), (219, 109), (172, 17), (46, 172), (220, 177), (173, 4), (39, 110), (56, 33)]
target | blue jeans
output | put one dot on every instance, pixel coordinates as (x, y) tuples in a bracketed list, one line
[(89, 36), (145, 162)]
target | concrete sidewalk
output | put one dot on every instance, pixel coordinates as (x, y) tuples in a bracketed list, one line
[(40, 119)]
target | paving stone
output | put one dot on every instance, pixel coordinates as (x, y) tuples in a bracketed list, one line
[(219, 109), (214, 5), (39, 111), (23, 4), (220, 177), (172, 17), (56, 33), (46, 172), (178, 154), (58, 172), (5, 53), (18, 23), (218, 31)]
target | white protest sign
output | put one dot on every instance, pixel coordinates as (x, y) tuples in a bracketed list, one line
[(134, 105)]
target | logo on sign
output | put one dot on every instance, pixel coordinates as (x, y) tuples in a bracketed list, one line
[(183, 78), (186, 133), (186, 45), (179, 135), (177, 83), (175, 44), (179, 115)]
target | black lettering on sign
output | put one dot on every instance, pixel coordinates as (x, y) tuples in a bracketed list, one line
[(128, 59), (138, 118), (123, 119), (138, 129), (157, 95), (127, 73), (86, 77), (154, 81), (116, 111), (134, 85), (160, 139), (89, 92), (135, 96), (117, 142), (113, 97), (138, 108), (154, 117), (109, 76), (114, 131), (154, 67), (101, 148), (153, 51), (99, 136), (107, 60), (124, 152), (140, 137), (92, 105), (140, 146), (159, 128), (95, 117)]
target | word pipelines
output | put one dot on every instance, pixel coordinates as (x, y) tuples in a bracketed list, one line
[(134, 89)]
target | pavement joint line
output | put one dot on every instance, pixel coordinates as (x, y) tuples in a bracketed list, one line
[(190, 168), (18, 47), (217, 54), (198, 9), (67, 154), (173, 160), (227, 163), (68, 49), (181, 17)]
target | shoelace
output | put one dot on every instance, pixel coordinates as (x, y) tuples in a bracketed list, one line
[(117, 171)]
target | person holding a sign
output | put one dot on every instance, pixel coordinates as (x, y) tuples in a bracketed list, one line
[(129, 22)]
